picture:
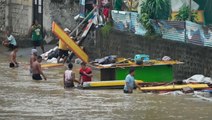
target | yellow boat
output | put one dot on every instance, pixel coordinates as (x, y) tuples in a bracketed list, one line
[(107, 84), (174, 87), (48, 65)]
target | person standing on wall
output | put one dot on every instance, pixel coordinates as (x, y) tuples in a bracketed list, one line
[(37, 38)]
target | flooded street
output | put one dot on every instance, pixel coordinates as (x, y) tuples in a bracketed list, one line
[(23, 98)]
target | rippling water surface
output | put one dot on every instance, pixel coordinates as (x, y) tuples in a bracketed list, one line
[(23, 98)]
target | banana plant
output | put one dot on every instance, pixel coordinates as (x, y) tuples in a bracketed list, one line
[(154, 9)]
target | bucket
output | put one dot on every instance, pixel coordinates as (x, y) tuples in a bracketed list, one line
[(141, 57)]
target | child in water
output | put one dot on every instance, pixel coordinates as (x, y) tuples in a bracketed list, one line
[(13, 62), (69, 77)]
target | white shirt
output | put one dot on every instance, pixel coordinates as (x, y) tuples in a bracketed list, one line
[(68, 76), (12, 40)]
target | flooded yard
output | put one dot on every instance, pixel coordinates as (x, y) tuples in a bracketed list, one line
[(23, 98)]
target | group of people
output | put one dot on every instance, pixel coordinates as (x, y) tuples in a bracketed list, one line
[(11, 43), (69, 75), (35, 66)]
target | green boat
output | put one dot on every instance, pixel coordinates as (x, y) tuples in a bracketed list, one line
[(155, 71)]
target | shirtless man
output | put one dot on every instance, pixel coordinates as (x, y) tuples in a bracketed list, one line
[(13, 62), (36, 69), (33, 58)]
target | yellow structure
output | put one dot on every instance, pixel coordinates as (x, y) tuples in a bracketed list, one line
[(174, 87), (48, 65), (69, 42), (99, 84)]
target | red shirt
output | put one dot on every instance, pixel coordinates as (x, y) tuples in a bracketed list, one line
[(85, 78), (106, 12)]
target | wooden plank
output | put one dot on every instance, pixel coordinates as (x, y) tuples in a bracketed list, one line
[(71, 44), (174, 87)]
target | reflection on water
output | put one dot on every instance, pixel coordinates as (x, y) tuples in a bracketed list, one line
[(23, 98)]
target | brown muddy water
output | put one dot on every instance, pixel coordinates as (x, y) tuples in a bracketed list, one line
[(22, 98)]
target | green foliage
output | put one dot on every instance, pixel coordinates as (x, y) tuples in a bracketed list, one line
[(106, 29), (145, 19), (157, 9), (154, 9), (183, 14)]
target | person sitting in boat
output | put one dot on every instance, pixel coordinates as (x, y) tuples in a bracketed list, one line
[(130, 83), (85, 73), (69, 77)]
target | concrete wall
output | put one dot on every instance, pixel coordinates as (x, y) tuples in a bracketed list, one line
[(19, 16), (2, 17), (61, 12), (198, 59)]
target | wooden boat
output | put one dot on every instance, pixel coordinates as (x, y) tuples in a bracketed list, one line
[(152, 71), (174, 87), (106, 84), (48, 65)]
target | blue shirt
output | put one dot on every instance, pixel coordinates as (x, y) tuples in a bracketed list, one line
[(130, 80), (12, 40)]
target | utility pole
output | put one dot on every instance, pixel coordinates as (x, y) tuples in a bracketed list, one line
[(131, 2), (190, 11)]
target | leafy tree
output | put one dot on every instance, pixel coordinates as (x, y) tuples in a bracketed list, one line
[(183, 14)]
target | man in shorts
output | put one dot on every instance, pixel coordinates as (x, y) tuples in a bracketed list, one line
[(37, 38), (36, 69), (33, 58)]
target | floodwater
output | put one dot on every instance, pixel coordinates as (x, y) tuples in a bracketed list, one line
[(22, 98)]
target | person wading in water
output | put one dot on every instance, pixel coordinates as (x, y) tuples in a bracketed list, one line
[(69, 77), (36, 69)]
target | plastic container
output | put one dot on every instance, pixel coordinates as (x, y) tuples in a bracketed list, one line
[(141, 57)]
